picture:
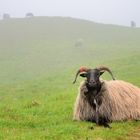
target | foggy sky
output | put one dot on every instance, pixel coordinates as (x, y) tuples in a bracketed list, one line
[(104, 11)]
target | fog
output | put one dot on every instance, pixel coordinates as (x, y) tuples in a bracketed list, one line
[(119, 12)]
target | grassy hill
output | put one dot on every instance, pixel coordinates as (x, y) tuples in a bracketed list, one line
[(38, 61)]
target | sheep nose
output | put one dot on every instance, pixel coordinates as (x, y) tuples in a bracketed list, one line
[(92, 82)]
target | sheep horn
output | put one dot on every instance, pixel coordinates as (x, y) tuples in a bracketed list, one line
[(106, 69), (82, 69)]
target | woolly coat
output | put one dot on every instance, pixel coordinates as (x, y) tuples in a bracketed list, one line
[(120, 101)]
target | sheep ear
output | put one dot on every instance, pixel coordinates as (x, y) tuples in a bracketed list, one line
[(101, 72), (83, 74)]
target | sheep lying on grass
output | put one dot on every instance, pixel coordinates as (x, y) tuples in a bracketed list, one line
[(105, 101)]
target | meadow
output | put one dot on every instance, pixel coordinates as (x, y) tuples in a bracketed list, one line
[(38, 61)]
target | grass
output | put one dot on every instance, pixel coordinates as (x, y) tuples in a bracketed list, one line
[(33, 112), (38, 62)]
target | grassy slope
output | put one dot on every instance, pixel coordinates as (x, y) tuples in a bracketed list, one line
[(38, 61)]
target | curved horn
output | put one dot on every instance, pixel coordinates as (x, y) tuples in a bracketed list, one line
[(106, 69), (82, 69)]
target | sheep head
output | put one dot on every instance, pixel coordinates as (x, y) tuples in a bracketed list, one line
[(92, 75)]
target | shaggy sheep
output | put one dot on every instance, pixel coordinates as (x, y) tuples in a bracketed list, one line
[(105, 101)]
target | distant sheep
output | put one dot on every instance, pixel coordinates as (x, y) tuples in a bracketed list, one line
[(105, 101), (29, 15), (6, 16)]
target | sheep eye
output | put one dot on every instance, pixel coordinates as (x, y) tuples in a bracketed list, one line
[(83, 74), (98, 74)]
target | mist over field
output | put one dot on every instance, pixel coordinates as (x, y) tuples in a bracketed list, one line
[(36, 46), (43, 44), (109, 11)]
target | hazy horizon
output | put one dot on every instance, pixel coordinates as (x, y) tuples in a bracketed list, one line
[(108, 12)]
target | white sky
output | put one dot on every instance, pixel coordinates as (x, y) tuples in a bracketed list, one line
[(104, 11)]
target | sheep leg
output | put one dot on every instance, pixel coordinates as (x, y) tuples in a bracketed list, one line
[(106, 125), (104, 122), (98, 120)]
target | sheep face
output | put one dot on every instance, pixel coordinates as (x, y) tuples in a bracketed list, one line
[(92, 77)]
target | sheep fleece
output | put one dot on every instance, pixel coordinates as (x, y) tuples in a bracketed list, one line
[(120, 101)]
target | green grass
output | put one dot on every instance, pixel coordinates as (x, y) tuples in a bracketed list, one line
[(38, 62)]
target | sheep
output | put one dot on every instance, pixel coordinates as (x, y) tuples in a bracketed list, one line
[(103, 101)]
